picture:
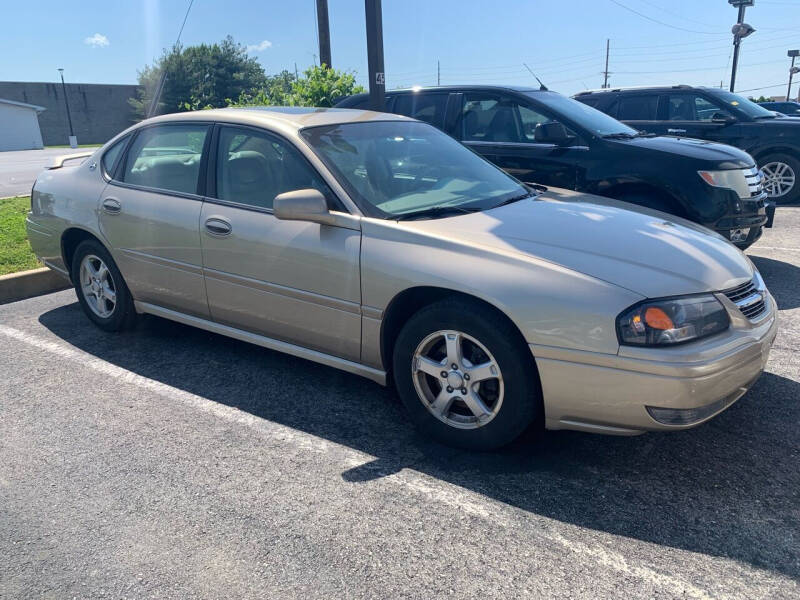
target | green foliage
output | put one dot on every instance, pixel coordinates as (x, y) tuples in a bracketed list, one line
[(760, 99), (15, 250), (198, 77), (319, 86)]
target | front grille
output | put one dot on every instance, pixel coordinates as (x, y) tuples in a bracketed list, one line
[(748, 299), (755, 183)]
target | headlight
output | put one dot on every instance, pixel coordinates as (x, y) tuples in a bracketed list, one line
[(732, 179), (672, 321)]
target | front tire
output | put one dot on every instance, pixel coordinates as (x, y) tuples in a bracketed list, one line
[(781, 173), (465, 376), (101, 290)]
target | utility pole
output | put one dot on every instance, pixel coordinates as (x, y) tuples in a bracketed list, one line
[(439, 73), (73, 141), (740, 31), (296, 74), (793, 54), (605, 73), (377, 76), (324, 33)]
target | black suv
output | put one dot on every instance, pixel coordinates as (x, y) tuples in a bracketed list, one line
[(790, 109), (716, 115), (543, 137)]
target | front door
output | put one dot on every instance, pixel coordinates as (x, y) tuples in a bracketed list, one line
[(502, 129), (692, 115), (293, 281), (149, 214)]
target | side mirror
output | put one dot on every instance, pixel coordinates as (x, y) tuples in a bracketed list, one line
[(723, 118), (551, 133), (303, 205)]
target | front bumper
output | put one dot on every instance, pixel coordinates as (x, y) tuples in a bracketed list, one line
[(611, 394)]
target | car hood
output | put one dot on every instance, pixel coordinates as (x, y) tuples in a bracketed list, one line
[(715, 155), (645, 251)]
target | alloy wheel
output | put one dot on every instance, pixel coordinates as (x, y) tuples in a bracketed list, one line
[(97, 286), (779, 179), (457, 379)]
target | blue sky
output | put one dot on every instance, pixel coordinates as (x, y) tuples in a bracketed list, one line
[(484, 41)]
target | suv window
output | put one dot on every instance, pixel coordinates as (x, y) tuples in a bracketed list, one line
[(691, 107), (637, 108), (166, 157), (495, 119), (425, 107), (254, 167)]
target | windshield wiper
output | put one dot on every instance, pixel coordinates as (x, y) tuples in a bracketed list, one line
[(516, 199), (622, 135), (436, 211)]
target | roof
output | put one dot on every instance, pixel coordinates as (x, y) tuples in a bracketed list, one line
[(459, 88), (35, 107), (293, 116), (643, 88)]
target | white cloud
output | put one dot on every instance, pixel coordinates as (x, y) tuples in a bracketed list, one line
[(98, 40), (260, 47)]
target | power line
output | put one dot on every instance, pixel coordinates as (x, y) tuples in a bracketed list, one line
[(644, 16), (672, 14)]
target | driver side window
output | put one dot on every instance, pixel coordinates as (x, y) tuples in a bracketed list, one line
[(691, 107), (497, 119)]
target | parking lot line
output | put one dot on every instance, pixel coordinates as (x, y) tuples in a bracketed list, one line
[(472, 503)]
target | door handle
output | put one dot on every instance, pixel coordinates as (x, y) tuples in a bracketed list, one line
[(112, 206), (218, 227), (676, 131)]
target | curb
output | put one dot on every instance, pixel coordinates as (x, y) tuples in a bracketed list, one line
[(26, 284)]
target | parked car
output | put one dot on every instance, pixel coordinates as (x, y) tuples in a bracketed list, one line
[(379, 245), (790, 108), (716, 115), (543, 137)]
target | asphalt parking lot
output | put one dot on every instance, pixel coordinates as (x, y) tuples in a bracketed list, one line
[(18, 169), (173, 463)]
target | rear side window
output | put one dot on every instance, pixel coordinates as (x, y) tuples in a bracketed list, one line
[(254, 167), (166, 157), (425, 107), (112, 155), (362, 104), (637, 108), (592, 101)]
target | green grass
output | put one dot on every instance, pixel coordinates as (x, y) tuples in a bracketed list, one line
[(15, 250)]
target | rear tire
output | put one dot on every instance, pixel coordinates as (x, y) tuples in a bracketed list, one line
[(781, 177), (489, 399), (101, 290)]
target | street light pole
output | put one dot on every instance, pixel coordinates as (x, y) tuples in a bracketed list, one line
[(73, 141), (740, 31), (793, 54)]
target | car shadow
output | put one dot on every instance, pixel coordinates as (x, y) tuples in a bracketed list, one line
[(781, 278), (728, 488)]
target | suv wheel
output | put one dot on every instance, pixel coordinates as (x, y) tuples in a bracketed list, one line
[(781, 172), (101, 291), (465, 376)]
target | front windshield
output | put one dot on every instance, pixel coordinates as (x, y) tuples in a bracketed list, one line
[(592, 120), (396, 168), (740, 103)]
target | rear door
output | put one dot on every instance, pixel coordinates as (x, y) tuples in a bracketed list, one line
[(502, 128), (294, 281), (149, 214)]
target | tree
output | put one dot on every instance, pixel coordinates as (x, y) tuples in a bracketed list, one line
[(319, 86), (760, 99), (203, 76)]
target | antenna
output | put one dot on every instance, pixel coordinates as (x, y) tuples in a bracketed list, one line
[(542, 87)]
